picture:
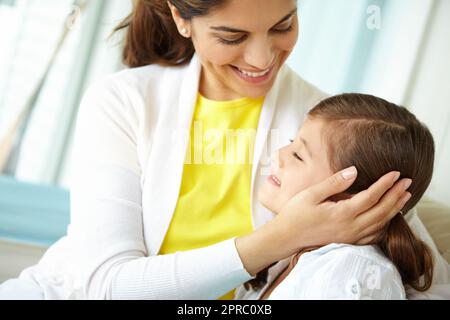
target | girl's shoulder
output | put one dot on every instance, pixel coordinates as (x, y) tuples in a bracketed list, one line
[(348, 256), (370, 252), (341, 271)]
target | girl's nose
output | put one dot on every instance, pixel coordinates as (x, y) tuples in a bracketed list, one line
[(277, 161)]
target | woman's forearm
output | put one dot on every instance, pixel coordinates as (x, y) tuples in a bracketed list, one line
[(263, 247), (203, 274)]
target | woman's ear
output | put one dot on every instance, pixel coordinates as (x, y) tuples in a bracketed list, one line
[(183, 26)]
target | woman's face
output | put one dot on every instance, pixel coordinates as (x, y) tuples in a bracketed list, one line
[(243, 45), (296, 167)]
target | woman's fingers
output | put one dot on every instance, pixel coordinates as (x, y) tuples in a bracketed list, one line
[(376, 219), (335, 184), (370, 239), (368, 198)]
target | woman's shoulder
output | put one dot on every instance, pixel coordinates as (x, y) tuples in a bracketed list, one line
[(296, 93), (139, 80), (298, 85), (132, 91)]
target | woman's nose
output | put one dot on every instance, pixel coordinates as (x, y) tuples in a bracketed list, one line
[(259, 54)]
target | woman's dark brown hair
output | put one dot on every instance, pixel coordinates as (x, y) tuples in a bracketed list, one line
[(152, 36), (378, 137)]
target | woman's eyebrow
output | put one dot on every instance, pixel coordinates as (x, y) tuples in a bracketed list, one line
[(233, 30)]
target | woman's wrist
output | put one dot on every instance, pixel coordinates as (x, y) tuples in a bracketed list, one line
[(263, 247)]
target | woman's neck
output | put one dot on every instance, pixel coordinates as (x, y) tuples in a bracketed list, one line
[(213, 89)]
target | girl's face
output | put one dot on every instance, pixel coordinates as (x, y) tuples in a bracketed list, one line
[(243, 45), (296, 167)]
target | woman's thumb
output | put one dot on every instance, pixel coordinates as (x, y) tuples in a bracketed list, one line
[(337, 183)]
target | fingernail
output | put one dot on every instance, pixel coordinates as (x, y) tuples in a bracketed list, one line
[(407, 184), (396, 176), (349, 173), (406, 197)]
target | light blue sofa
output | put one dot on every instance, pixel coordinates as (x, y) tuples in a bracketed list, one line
[(31, 213)]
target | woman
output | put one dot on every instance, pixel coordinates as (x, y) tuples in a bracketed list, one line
[(146, 225), (376, 136)]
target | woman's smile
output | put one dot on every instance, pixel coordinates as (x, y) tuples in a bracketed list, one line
[(253, 77)]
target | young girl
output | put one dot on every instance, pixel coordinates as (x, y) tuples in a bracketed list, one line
[(377, 137)]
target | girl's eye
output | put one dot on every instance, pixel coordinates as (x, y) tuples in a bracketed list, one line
[(232, 42), (297, 156)]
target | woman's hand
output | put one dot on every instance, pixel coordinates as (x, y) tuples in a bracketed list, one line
[(309, 220), (358, 220)]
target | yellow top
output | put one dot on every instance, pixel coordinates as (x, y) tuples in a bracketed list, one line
[(214, 199)]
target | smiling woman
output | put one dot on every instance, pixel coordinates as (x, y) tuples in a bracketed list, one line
[(243, 55)]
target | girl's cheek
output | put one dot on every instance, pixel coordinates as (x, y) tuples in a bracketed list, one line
[(292, 188), (298, 184)]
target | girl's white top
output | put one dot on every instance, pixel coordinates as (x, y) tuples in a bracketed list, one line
[(339, 271)]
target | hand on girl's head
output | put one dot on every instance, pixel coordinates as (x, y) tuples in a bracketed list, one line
[(368, 133)]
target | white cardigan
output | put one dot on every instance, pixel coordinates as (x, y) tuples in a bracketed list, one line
[(129, 151)]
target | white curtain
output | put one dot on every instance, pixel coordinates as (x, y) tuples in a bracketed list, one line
[(86, 56), (429, 94)]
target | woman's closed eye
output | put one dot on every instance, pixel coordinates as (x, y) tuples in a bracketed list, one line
[(241, 39), (232, 42), (284, 28)]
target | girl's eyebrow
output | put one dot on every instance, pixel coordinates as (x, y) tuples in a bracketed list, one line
[(233, 30), (306, 147)]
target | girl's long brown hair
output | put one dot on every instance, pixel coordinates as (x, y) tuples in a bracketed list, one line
[(377, 137), (152, 36)]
